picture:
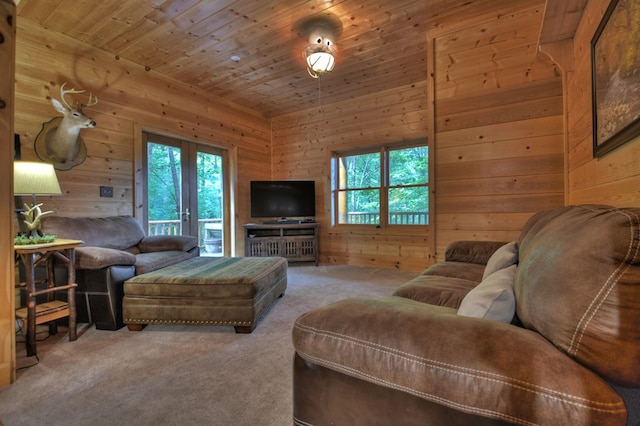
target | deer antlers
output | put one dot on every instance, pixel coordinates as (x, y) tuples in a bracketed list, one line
[(92, 99)]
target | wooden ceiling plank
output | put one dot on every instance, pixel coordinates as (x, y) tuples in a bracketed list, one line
[(236, 37), (201, 12), (38, 10), (140, 27), (122, 18), (228, 22), (512, 27), (330, 94), (157, 27), (561, 19), (165, 37), (209, 37), (383, 44), (394, 52)]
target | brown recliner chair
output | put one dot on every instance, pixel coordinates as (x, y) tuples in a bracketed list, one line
[(115, 249)]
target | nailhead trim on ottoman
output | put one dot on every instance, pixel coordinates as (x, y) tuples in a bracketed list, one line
[(229, 291)]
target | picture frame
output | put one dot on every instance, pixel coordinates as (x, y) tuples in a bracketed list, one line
[(615, 64)]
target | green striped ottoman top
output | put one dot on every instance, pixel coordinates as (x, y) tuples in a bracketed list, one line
[(201, 277)]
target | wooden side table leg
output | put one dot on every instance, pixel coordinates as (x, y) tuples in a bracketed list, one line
[(71, 279), (51, 282), (29, 260)]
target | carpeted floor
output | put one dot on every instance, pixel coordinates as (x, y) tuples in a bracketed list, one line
[(179, 375)]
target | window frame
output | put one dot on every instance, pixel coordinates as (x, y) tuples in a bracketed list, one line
[(384, 227)]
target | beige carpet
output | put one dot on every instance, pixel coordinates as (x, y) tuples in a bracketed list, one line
[(180, 375)]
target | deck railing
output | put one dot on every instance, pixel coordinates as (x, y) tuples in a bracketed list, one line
[(207, 230), (172, 227), (395, 218), (206, 227)]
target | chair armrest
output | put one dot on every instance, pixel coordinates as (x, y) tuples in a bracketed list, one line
[(154, 243), (472, 251), (100, 257)]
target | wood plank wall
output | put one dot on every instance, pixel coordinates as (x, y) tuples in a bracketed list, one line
[(131, 99), (7, 269), (614, 178), (498, 136), (302, 146), (499, 145)]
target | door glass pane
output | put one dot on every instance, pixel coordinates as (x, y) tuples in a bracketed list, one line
[(164, 189), (210, 203)]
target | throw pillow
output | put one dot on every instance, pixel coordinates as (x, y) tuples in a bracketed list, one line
[(505, 256), (493, 298)]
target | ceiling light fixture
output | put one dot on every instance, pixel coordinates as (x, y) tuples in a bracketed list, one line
[(321, 31), (320, 56)]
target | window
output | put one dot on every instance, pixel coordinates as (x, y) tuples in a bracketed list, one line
[(382, 186)]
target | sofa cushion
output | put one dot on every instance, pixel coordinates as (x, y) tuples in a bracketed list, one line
[(466, 271), (148, 262), (430, 352), (578, 285), (436, 290), (117, 232), (493, 298), (167, 242), (99, 257), (504, 257), (471, 251)]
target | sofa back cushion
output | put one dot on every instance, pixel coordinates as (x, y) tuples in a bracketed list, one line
[(471, 251), (578, 284), (116, 232)]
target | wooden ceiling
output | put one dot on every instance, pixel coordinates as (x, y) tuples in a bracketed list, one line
[(382, 45)]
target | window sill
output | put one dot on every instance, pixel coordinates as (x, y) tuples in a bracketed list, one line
[(400, 230)]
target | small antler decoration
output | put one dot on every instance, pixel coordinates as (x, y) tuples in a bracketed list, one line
[(33, 216)]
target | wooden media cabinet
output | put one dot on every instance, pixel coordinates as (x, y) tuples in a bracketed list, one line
[(296, 242)]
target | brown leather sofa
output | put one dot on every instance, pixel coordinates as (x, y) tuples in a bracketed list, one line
[(115, 249), (562, 347)]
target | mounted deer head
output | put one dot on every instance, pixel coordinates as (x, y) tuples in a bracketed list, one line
[(59, 141)]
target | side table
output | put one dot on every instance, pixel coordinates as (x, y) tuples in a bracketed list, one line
[(34, 255)]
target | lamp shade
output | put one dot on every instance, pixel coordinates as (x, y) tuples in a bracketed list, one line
[(33, 178)]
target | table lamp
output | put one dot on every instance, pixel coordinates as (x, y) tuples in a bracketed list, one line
[(34, 178)]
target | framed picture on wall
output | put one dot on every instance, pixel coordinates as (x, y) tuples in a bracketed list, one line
[(615, 61)]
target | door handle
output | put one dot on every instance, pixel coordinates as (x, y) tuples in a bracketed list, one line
[(186, 215)]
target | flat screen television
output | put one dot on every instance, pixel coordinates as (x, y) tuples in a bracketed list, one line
[(283, 199)]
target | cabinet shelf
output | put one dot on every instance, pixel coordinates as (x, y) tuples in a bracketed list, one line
[(295, 242)]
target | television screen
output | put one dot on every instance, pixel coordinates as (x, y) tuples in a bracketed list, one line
[(283, 199)]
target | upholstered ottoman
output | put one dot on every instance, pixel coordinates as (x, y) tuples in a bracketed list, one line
[(206, 291)]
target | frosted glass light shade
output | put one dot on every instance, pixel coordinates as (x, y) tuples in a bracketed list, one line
[(320, 59), (33, 178)]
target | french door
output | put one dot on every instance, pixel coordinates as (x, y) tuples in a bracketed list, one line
[(186, 191)]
